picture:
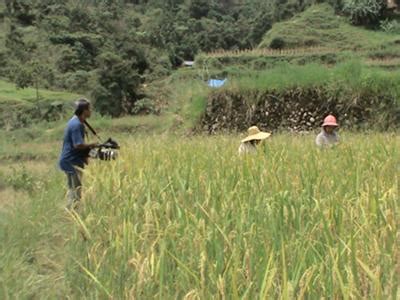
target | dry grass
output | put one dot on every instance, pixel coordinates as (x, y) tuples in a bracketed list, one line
[(265, 52), (10, 197), (386, 62)]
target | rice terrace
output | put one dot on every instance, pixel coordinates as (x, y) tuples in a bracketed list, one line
[(199, 149)]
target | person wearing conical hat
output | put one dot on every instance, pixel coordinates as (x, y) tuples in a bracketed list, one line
[(328, 135), (254, 137)]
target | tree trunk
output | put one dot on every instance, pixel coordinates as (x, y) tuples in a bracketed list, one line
[(37, 90)]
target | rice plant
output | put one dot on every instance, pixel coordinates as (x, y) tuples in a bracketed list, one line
[(181, 218)]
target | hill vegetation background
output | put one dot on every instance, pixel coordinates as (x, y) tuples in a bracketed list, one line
[(111, 50)]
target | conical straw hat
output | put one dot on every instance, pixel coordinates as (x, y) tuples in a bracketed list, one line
[(253, 133)]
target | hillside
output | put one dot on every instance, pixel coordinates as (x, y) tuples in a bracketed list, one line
[(10, 94), (320, 26), (126, 72), (317, 35), (24, 107), (111, 49)]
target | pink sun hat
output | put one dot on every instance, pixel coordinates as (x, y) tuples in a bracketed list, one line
[(330, 121)]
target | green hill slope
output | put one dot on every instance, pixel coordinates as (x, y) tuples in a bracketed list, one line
[(20, 107), (319, 26), (9, 93)]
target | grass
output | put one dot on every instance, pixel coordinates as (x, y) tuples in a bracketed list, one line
[(16, 145), (191, 99), (22, 107), (20, 104), (319, 26), (349, 75), (185, 100), (10, 93), (316, 35), (186, 218)]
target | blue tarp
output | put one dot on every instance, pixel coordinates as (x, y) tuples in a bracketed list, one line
[(216, 83)]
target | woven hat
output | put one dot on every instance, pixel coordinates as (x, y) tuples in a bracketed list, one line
[(253, 133)]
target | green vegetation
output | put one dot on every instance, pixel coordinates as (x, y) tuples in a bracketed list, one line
[(79, 46), (364, 12), (10, 93), (35, 142), (181, 216), (350, 76), (316, 36), (291, 222), (23, 107), (246, 63), (319, 26), (188, 101), (297, 98)]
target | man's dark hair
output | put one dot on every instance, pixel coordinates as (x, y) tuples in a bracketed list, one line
[(81, 105)]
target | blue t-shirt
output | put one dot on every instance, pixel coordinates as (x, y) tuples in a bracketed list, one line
[(74, 135)]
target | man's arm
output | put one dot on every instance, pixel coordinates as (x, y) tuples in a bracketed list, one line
[(85, 146), (78, 141)]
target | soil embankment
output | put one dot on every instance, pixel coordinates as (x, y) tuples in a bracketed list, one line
[(297, 109)]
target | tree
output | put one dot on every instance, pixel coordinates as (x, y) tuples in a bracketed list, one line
[(364, 12), (118, 84), (261, 24), (21, 10), (199, 8), (15, 44), (30, 75)]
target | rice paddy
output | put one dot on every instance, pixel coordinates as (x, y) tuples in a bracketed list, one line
[(177, 218)]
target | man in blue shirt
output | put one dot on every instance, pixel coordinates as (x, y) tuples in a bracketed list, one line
[(75, 151)]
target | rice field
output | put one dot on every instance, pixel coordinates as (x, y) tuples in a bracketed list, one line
[(187, 218)]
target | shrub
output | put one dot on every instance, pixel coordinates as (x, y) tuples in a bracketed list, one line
[(364, 12), (390, 26), (21, 180), (78, 81), (144, 106), (68, 60), (277, 43), (23, 77)]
